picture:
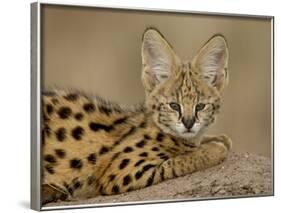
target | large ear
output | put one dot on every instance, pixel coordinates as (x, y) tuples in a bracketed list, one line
[(211, 62), (158, 59)]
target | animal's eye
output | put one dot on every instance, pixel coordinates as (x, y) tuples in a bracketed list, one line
[(200, 107), (175, 106)]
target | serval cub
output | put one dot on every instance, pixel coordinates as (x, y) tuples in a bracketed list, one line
[(93, 147)]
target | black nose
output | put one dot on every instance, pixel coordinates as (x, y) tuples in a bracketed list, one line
[(188, 123)]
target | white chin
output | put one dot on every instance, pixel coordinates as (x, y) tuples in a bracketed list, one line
[(188, 135)]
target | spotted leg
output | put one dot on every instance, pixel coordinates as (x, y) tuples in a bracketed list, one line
[(210, 153)]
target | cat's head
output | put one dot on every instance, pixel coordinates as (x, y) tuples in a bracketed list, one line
[(184, 97)]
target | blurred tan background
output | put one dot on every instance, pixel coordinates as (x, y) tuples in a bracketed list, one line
[(98, 50)]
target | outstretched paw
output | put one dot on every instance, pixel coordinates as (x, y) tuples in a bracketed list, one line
[(225, 140)]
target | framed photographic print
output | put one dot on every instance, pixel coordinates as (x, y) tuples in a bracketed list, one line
[(135, 105)]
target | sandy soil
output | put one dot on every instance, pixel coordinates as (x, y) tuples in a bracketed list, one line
[(240, 175)]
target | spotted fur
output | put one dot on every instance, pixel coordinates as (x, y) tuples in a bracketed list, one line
[(93, 147)]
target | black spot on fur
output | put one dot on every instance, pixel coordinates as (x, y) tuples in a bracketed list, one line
[(92, 158), (164, 157), (79, 116), (155, 149), (142, 124), (89, 107), (139, 162), (128, 149), (174, 149), (76, 163), (141, 144), (150, 180), (96, 127), (124, 163), (126, 180), (103, 150), (77, 184), (175, 141), (159, 137), (143, 154), (49, 109), (105, 110), (91, 180), (147, 167), (115, 189), (161, 154), (147, 137), (71, 97), (138, 175), (115, 156), (130, 189), (60, 153), (64, 112), (50, 169), (162, 173), (169, 162), (120, 121), (61, 134), (45, 118), (77, 132), (50, 158), (111, 177)]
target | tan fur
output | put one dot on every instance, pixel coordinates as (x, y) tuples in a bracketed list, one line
[(114, 149)]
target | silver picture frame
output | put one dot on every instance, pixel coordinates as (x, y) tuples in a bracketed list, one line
[(36, 89)]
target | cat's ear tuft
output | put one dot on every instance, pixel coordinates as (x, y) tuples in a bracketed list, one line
[(211, 62), (158, 59)]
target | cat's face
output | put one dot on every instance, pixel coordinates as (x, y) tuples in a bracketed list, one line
[(183, 97), (183, 106)]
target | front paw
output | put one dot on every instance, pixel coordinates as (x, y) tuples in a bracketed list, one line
[(220, 139)]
